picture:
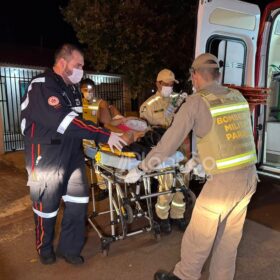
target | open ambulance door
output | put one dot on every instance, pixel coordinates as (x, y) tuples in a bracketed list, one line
[(229, 30), (268, 75)]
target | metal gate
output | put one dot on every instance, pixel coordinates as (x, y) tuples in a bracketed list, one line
[(109, 88), (13, 83)]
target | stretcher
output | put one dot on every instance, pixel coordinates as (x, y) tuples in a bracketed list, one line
[(129, 206)]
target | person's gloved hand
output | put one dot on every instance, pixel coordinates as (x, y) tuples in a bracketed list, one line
[(133, 175), (189, 166), (116, 141), (169, 110)]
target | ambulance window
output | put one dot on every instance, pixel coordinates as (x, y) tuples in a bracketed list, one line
[(232, 53)]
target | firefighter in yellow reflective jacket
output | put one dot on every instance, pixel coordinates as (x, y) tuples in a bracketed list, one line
[(220, 119), (90, 102), (159, 110)]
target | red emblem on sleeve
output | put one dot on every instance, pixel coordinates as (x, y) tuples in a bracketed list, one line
[(53, 101)]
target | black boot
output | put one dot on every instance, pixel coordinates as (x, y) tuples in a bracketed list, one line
[(165, 226), (181, 224), (70, 258), (48, 259), (164, 275)]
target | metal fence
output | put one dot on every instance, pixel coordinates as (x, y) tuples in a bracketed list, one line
[(109, 88), (13, 83)]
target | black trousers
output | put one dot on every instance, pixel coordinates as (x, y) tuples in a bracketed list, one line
[(58, 175)]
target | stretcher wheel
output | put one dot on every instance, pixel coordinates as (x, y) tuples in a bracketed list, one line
[(157, 236), (105, 245), (128, 213), (105, 252)]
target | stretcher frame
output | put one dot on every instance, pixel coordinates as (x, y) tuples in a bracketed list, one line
[(120, 210)]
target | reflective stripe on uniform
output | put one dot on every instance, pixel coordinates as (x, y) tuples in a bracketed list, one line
[(45, 215), (227, 109), (37, 80), (178, 204), (65, 122), (236, 160), (78, 109), (153, 100), (175, 95), (23, 125), (95, 108), (161, 207), (75, 199), (25, 103)]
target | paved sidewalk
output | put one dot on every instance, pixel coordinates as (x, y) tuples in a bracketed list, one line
[(135, 258)]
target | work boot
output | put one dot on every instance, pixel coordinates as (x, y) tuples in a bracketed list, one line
[(48, 259), (164, 275), (165, 226), (181, 224), (70, 258)]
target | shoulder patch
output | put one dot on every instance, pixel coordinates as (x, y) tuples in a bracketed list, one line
[(143, 109), (53, 101)]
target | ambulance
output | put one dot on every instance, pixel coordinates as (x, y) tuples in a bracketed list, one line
[(248, 42)]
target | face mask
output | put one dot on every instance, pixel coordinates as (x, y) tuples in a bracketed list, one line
[(76, 76), (166, 91), (88, 95)]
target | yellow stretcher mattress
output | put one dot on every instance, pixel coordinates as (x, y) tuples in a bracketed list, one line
[(123, 160), (90, 150)]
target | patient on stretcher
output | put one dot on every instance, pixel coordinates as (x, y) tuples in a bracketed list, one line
[(111, 118), (108, 116)]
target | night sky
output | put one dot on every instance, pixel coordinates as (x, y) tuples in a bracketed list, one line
[(34, 23), (40, 23)]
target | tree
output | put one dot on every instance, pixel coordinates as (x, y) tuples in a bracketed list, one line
[(135, 38)]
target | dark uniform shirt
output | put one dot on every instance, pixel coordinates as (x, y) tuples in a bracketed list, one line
[(50, 112), (51, 122)]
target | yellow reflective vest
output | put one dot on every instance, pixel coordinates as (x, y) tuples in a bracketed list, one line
[(91, 110), (90, 113), (230, 144)]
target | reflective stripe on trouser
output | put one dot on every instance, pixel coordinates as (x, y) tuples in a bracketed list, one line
[(73, 225), (44, 228), (173, 202), (217, 221)]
